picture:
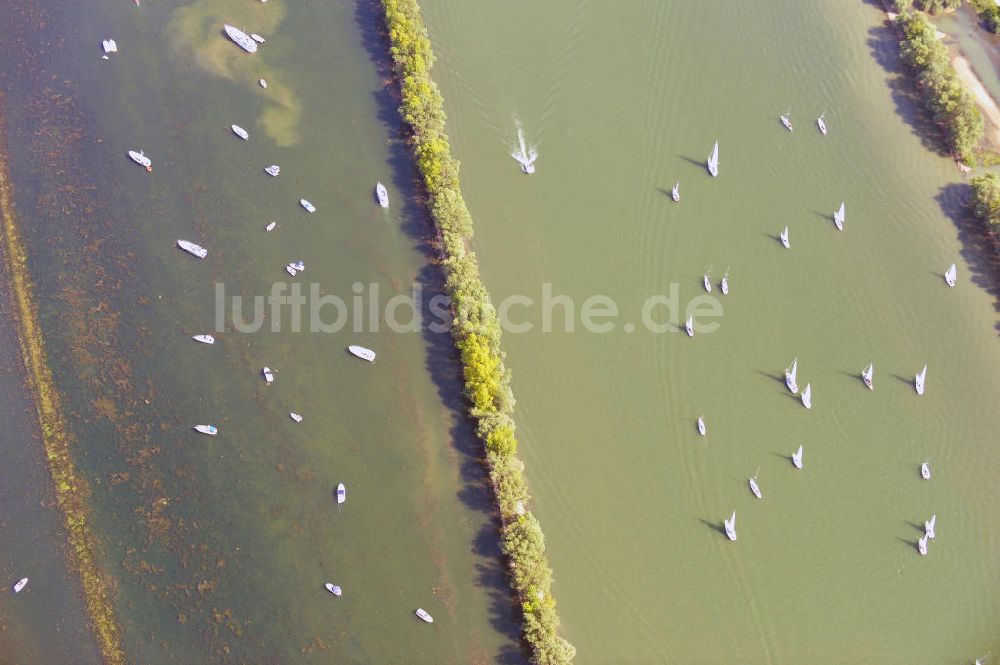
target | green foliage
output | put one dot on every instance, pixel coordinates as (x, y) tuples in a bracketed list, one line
[(945, 98), (937, 6), (900, 6), (476, 330), (989, 13), (986, 199)]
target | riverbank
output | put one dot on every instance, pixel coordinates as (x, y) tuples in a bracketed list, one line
[(986, 103), (69, 487), (475, 329)]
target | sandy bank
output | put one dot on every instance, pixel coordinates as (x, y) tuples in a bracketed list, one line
[(984, 100)]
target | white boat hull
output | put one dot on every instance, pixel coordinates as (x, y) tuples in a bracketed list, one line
[(308, 206), (362, 352), (192, 249), (204, 339), (21, 583), (382, 195), (242, 39), (210, 430), (424, 616)]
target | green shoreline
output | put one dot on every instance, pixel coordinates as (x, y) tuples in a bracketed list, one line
[(69, 487), (476, 331)]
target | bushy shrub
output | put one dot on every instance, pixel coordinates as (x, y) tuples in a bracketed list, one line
[(986, 199), (937, 6), (989, 13)]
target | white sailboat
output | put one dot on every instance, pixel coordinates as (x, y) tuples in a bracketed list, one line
[(807, 400), (951, 275), (706, 281), (141, 159), (866, 376), (786, 120), (382, 194), (838, 217), (239, 131), (724, 284), (362, 352), (919, 381), (713, 161), (244, 40), (929, 527), (701, 426), (334, 589), (821, 123), (273, 170), (797, 458), (925, 470), (204, 339), (689, 326), (753, 485), (423, 615), (922, 545), (790, 373), (784, 239), (675, 193), (308, 206), (731, 526), (192, 249), (296, 417), (268, 374), (210, 430), (20, 584)]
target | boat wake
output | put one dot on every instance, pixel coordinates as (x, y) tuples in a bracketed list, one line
[(523, 153)]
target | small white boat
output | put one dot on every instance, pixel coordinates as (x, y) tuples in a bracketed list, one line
[(701, 426), (341, 494), (929, 527), (675, 193), (273, 170), (204, 339), (257, 38), (109, 46), (141, 159), (239, 131), (786, 120), (308, 206), (807, 400), (383, 196), (424, 616), (754, 487), (784, 239), (211, 430), (271, 226), (866, 376), (724, 284), (689, 326), (790, 373), (707, 282), (797, 458), (334, 589), (731, 526), (296, 417), (919, 381), (20, 584), (951, 275), (192, 249), (268, 374), (925, 470), (241, 38), (262, 83), (821, 123), (298, 265), (291, 271), (922, 545), (713, 161), (362, 352), (838, 217)]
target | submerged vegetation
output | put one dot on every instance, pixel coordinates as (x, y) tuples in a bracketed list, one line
[(69, 487), (946, 99), (476, 331)]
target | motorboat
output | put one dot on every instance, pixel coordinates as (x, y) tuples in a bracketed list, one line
[(296, 417), (951, 276), (204, 339), (675, 193), (807, 397), (271, 226), (925, 470), (689, 326), (334, 589), (713, 161), (262, 83), (929, 527), (295, 268), (341, 494), (239, 131), (257, 38), (308, 206), (922, 545), (701, 426), (784, 239), (730, 525), (424, 616), (242, 39), (362, 352), (273, 170), (790, 373), (141, 159), (268, 374), (383, 196), (838, 217), (20, 584), (754, 487), (918, 383), (192, 249), (211, 430), (797, 458), (866, 376), (291, 271), (821, 123), (786, 120)]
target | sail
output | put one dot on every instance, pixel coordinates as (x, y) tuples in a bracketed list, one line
[(951, 275), (790, 373), (797, 458), (807, 397), (713, 160), (919, 383)]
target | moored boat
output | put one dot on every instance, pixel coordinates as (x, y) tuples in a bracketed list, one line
[(925, 470), (807, 397), (730, 525), (424, 616), (20, 584), (262, 83), (797, 458), (141, 159), (701, 426), (308, 206), (192, 249), (790, 374), (273, 170), (784, 239), (706, 281), (271, 226), (296, 417), (268, 374), (242, 39), (918, 383), (724, 284), (239, 131), (257, 38), (382, 195), (211, 430), (341, 494), (821, 123), (754, 487), (786, 120), (109, 46), (334, 589), (362, 352), (675, 193), (713, 161), (204, 339), (951, 276), (866, 376)]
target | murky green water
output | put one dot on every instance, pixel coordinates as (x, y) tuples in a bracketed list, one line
[(623, 100)]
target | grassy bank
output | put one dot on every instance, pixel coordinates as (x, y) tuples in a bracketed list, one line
[(69, 488), (476, 330)]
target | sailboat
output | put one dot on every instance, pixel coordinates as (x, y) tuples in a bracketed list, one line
[(701, 425), (838, 217), (706, 281), (925, 470), (807, 400), (334, 589), (922, 545), (724, 284), (713, 161), (919, 382), (797, 458), (784, 239), (753, 485), (786, 120), (731, 526), (341, 494), (675, 193), (929, 527), (790, 373), (821, 123), (689, 326), (382, 194), (950, 275), (866, 376)]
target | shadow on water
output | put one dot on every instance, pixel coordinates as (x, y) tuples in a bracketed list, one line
[(918, 527), (903, 379), (910, 544), (785, 456), (700, 163), (714, 526), (979, 244), (778, 378), (442, 358)]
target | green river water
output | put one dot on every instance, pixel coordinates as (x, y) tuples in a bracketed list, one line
[(219, 547)]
